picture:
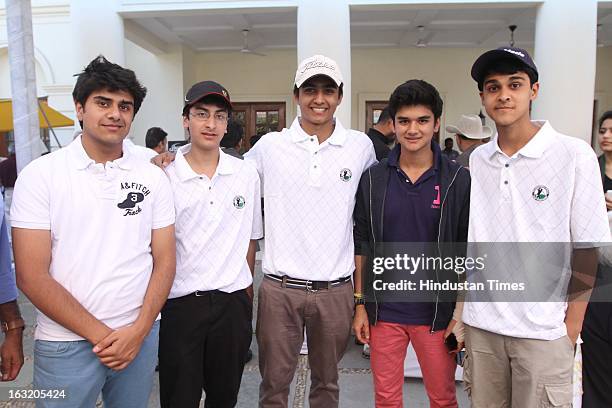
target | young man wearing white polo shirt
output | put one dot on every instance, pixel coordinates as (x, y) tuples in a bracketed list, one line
[(206, 322), (93, 237), (310, 174), (531, 184)]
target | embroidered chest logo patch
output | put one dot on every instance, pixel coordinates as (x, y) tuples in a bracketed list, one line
[(346, 174), (239, 202), (540, 193), (135, 194)]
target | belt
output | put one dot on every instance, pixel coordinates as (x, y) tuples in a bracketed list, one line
[(308, 285)]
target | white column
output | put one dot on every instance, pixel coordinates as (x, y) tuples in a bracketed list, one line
[(96, 29), (565, 53), (23, 81), (324, 27)]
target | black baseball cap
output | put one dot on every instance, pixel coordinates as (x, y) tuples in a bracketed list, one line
[(502, 53), (203, 89)]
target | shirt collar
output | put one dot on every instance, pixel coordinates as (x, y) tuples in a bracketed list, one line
[(394, 154), (185, 172), (338, 136), (534, 149), (82, 160)]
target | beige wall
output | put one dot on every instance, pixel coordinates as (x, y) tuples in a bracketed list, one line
[(376, 72)]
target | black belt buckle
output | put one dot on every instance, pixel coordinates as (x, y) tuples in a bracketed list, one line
[(315, 286)]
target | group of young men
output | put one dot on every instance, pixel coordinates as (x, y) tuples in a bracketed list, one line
[(104, 241)]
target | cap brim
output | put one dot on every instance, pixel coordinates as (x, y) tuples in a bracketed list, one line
[(301, 82), (487, 58), (204, 95)]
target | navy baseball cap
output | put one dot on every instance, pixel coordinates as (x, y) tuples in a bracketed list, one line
[(203, 89), (502, 53)]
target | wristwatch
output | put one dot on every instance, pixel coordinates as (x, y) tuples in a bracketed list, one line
[(360, 301), (12, 325)]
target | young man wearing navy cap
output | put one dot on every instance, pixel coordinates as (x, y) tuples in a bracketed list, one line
[(531, 184), (206, 323)]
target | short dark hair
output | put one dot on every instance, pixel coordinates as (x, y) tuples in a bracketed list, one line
[(209, 100), (234, 134), (154, 136), (416, 92), (606, 115), (448, 139), (507, 66), (103, 74), (384, 116)]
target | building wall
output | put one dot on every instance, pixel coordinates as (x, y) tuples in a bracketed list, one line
[(376, 72)]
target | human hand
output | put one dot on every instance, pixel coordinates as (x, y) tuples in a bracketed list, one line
[(163, 160), (361, 325), (11, 354), (120, 347)]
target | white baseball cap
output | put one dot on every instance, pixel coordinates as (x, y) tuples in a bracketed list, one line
[(318, 65), (471, 127)]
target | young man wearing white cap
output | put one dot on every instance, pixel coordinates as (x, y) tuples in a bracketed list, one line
[(206, 323), (470, 134), (310, 174), (530, 184)]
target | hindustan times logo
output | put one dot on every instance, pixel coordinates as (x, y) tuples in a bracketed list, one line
[(413, 264)]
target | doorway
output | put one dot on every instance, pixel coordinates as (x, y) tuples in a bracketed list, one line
[(258, 118)]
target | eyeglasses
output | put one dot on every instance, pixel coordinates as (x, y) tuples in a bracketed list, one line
[(202, 116)]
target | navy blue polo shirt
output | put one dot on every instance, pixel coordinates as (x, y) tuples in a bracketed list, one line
[(411, 214)]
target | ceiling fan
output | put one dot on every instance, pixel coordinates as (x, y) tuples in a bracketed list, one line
[(245, 48), (423, 38)]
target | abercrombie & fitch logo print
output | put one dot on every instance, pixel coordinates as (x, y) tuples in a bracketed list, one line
[(136, 194)]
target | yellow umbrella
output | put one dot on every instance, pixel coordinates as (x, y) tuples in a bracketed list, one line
[(55, 118)]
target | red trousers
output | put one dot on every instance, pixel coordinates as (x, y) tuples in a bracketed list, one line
[(388, 347)]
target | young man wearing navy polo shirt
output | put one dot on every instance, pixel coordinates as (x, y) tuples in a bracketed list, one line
[(417, 195), (530, 184)]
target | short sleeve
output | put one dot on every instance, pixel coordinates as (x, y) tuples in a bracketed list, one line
[(30, 208), (253, 156), (257, 230), (163, 204), (589, 221)]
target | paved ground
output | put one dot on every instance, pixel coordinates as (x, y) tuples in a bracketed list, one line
[(355, 377)]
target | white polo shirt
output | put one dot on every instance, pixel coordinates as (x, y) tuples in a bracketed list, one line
[(309, 195), (100, 218), (215, 220), (549, 191)]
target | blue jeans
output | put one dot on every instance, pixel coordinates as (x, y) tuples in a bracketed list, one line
[(73, 366)]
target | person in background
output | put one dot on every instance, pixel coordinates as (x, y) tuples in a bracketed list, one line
[(156, 139), (470, 134), (448, 150), (382, 134), (11, 323), (232, 141), (596, 330)]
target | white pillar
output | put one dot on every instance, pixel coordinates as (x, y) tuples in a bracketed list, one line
[(324, 27), (565, 54), (23, 81), (96, 29)]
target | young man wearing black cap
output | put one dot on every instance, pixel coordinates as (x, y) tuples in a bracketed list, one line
[(531, 184), (310, 174), (206, 323)]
